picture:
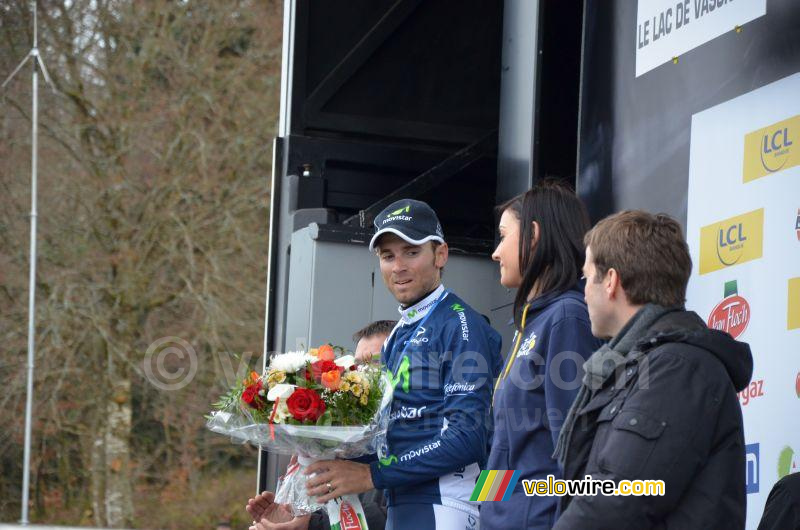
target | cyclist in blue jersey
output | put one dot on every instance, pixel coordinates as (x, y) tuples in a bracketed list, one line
[(443, 358)]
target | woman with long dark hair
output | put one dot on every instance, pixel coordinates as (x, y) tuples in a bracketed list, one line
[(541, 254)]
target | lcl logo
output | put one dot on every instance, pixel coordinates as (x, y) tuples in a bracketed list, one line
[(771, 149), (775, 146), (731, 241)]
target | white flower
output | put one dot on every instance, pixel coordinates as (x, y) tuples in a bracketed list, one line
[(345, 361), (289, 362), (282, 391)]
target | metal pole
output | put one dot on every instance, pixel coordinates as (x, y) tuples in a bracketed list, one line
[(37, 63), (26, 465), (26, 469)]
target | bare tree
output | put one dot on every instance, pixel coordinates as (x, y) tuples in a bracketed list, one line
[(154, 195)]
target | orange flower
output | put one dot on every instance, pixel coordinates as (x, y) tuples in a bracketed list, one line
[(325, 353), (331, 380)]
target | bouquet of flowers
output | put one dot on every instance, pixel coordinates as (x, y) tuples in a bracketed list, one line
[(316, 404)]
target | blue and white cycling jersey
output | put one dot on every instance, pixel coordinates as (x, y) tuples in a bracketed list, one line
[(443, 357)]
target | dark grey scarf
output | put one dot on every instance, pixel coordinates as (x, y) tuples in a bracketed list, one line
[(603, 364)]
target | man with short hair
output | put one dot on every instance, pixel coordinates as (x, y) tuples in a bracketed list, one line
[(369, 340), (659, 400), (442, 357)]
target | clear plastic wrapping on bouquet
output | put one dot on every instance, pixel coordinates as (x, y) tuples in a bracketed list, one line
[(316, 441), (292, 489), (309, 442)]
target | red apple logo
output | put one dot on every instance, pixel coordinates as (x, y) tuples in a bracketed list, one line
[(731, 316)]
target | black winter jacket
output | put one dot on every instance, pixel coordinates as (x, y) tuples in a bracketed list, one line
[(672, 415)]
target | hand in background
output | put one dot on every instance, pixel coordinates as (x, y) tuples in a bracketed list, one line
[(268, 515)]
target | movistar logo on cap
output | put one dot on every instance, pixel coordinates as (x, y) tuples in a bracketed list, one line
[(405, 209), (397, 215)]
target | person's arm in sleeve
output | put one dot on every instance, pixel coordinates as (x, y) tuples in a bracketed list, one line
[(466, 376), (781, 511), (569, 344), (651, 438)]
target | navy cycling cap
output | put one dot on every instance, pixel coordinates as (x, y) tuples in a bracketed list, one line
[(413, 221)]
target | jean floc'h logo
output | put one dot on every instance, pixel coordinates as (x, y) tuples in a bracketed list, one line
[(752, 463), (771, 149), (732, 241), (349, 519), (732, 314)]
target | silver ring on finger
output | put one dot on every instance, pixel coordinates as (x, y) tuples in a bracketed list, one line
[(330, 487)]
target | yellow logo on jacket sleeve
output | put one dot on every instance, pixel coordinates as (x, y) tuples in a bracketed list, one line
[(772, 149), (732, 241)]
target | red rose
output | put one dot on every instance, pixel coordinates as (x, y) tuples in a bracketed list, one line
[(250, 395), (320, 367), (305, 405)]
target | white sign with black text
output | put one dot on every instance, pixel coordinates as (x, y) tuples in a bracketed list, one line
[(669, 28)]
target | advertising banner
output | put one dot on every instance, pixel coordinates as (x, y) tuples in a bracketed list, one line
[(743, 229)]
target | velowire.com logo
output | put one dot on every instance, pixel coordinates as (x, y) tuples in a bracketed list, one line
[(495, 485)]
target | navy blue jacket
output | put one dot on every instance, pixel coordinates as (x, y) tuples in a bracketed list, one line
[(532, 401), (443, 358)]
